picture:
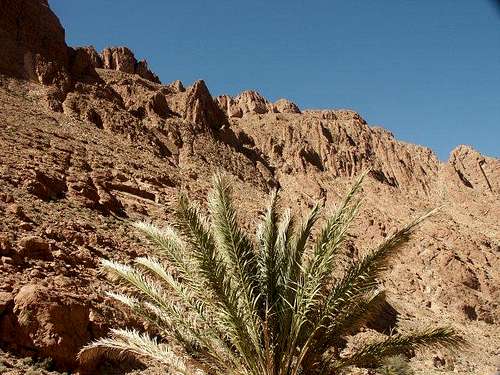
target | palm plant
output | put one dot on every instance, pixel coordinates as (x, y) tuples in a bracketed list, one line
[(228, 305)]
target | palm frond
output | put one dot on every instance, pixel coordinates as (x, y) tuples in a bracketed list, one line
[(299, 245), (331, 237), (212, 268), (124, 343), (362, 276), (233, 243), (205, 329), (267, 235), (355, 315), (237, 250), (170, 246), (371, 355)]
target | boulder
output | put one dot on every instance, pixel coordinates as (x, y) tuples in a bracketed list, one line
[(46, 324), (34, 247)]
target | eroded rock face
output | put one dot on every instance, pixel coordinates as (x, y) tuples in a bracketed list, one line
[(475, 171), (201, 109), (252, 103), (155, 140), (142, 69), (32, 40), (33, 47), (123, 60), (340, 143), (84, 61), (119, 58), (285, 106)]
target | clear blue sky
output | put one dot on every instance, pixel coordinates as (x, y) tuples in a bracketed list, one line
[(428, 70)]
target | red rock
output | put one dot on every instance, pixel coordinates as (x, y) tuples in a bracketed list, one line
[(32, 41), (201, 109), (83, 61), (5, 245), (127, 145), (45, 186), (6, 301), (142, 69), (34, 247), (251, 103), (119, 58), (54, 326), (123, 60)]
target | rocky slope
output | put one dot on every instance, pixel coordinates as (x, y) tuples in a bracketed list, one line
[(90, 142)]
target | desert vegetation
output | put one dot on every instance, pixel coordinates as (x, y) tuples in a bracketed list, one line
[(224, 304)]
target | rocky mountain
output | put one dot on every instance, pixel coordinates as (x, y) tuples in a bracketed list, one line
[(92, 141)]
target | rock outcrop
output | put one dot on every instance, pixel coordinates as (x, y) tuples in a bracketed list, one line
[(251, 103), (83, 61), (201, 109), (342, 145), (285, 106), (123, 60), (49, 325), (34, 48), (32, 40), (476, 171)]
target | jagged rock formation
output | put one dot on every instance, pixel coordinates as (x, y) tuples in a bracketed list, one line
[(342, 145), (201, 109), (475, 170), (84, 60), (120, 144), (34, 48), (251, 102), (122, 59)]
